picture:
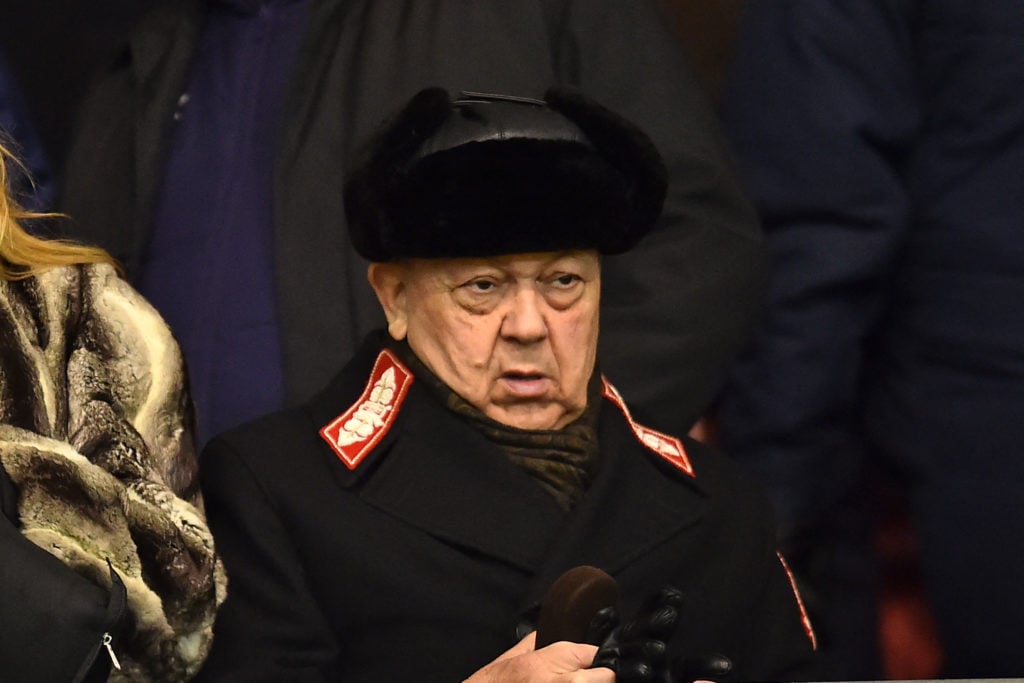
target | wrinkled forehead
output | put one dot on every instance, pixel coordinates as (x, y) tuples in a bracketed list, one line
[(584, 262)]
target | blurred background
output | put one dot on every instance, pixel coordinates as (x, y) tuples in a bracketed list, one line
[(54, 45)]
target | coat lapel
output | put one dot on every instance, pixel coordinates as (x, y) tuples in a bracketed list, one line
[(431, 468), (636, 503), (446, 479)]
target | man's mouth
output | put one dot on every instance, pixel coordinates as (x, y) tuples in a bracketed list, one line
[(525, 384), (523, 374)]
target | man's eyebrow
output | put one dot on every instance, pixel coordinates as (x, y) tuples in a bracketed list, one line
[(573, 260)]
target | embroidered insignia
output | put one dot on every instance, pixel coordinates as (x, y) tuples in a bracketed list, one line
[(354, 433), (805, 620), (668, 447)]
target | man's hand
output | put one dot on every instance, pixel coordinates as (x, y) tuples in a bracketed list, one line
[(560, 662), (637, 650)]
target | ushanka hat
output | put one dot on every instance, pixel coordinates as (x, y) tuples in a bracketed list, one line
[(485, 174)]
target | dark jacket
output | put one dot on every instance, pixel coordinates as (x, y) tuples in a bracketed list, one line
[(883, 142), (416, 564), (682, 302), (55, 619), (16, 126)]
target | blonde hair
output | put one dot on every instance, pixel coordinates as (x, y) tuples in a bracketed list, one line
[(21, 254)]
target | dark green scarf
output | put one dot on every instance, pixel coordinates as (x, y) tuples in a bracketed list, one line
[(563, 461)]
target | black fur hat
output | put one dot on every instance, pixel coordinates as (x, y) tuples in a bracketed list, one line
[(485, 175)]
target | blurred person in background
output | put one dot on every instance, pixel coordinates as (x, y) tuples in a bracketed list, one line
[(30, 182), (883, 144)]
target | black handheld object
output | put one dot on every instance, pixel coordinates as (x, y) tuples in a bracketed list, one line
[(571, 604)]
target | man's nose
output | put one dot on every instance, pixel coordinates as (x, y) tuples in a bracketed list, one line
[(524, 320)]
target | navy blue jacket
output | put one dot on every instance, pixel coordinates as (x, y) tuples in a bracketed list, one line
[(16, 125), (883, 143)]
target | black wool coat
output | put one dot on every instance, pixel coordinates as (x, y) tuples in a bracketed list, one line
[(416, 563)]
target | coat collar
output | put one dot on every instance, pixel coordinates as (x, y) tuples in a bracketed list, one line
[(430, 468)]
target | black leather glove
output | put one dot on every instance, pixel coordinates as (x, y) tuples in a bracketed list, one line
[(637, 650), (710, 667)]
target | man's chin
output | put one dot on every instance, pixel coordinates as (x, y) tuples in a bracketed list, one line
[(531, 415)]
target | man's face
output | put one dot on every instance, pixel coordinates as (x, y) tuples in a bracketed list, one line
[(516, 336)]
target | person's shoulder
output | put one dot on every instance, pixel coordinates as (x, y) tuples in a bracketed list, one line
[(277, 453), (723, 482), (107, 294), (302, 431), (294, 436), (721, 475), (735, 503), (101, 272), (96, 277), (264, 438)]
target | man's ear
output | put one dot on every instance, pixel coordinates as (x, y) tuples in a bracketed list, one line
[(388, 281)]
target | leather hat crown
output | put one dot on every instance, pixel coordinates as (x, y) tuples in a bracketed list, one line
[(484, 175)]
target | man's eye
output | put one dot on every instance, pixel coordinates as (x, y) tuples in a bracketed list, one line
[(480, 285), (566, 280)]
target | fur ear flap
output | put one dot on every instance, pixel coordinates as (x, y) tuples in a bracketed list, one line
[(626, 147), (395, 143), (399, 139)]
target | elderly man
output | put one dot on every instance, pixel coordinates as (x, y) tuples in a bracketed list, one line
[(402, 524)]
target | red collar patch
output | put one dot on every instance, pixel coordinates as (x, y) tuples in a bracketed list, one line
[(804, 619), (668, 447), (354, 433)]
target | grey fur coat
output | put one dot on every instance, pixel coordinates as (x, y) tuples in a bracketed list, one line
[(95, 433)]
